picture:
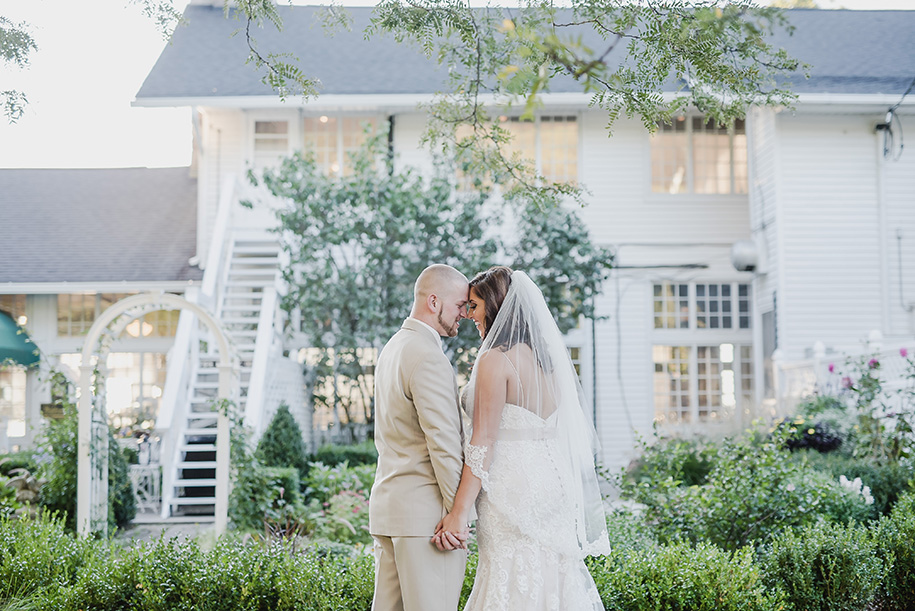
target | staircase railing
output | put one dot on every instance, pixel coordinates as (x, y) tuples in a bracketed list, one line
[(183, 360), (263, 344), (175, 398)]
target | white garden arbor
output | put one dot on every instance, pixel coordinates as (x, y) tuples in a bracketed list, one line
[(92, 466)]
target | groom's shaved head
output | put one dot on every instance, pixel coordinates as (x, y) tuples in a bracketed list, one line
[(435, 279), (440, 298)]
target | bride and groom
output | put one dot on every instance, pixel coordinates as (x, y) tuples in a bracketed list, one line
[(525, 472)]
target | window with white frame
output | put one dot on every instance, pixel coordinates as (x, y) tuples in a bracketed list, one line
[(332, 140), (76, 312), (14, 305), (695, 155), (549, 141), (271, 142), (12, 401), (702, 353)]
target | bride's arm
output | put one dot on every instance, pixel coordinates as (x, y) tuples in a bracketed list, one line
[(492, 376)]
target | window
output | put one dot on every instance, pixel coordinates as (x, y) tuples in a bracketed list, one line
[(12, 401), (14, 305), (702, 353), (694, 155), (575, 356), (271, 142), (76, 313), (332, 140), (702, 306), (701, 383), (134, 382), (551, 142)]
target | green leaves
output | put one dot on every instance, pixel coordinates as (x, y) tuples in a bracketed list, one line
[(357, 242)]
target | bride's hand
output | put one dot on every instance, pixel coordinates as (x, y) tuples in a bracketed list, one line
[(451, 533)]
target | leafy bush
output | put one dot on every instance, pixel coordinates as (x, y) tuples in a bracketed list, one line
[(681, 576), (819, 436), (344, 518), (686, 461), (39, 554), (325, 481), (58, 494), (17, 460), (169, 575), (826, 567), (886, 481), (282, 445), (894, 536), (363, 453), (750, 493)]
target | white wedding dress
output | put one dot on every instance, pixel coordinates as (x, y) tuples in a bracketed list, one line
[(529, 556), (539, 512)]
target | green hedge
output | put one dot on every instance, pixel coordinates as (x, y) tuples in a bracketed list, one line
[(356, 454), (825, 567), (895, 540), (681, 576)]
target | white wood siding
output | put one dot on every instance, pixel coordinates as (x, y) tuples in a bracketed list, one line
[(763, 205), (224, 149), (828, 224), (899, 199), (624, 368), (622, 208)]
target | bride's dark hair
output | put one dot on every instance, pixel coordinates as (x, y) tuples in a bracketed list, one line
[(492, 286)]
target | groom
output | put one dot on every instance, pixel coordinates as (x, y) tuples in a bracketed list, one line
[(419, 439)]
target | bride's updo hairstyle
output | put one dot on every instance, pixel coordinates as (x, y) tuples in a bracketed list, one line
[(492, 286)]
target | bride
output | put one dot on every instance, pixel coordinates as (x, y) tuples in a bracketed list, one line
[(529, 465)]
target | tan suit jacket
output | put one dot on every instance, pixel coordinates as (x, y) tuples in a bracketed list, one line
[(417, 433)]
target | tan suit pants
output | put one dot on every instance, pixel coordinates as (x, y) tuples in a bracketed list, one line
[(411, 574)]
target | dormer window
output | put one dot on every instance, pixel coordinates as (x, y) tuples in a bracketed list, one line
[(333, 139), (271, 142), (695, 155)]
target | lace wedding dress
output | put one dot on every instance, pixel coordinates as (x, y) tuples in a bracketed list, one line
[(539, 510), (529, 554)]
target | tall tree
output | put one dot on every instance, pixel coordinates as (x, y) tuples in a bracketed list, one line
[(356, 244), (16, 45)]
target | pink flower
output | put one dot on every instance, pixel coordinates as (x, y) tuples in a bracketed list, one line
[(832, 368), (873, 364), (903, 352), (846, 382)]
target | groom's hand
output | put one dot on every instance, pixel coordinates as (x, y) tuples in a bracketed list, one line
[(447, 541)]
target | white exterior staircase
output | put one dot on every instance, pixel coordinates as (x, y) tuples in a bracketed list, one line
[(245, 303)]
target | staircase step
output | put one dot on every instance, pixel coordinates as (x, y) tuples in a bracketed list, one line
[(200, 431), (257, 272), (242, 332), (197, 447), (255, 259), (194, 500), (203, 464), (238, 320), (194, 483), (263, 249), (258, 284)]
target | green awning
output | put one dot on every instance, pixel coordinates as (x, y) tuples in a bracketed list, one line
[(15, 345)]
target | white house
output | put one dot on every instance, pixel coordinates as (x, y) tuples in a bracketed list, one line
[(792, 231)]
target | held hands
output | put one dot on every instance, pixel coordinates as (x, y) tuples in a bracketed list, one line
[(451, 533)]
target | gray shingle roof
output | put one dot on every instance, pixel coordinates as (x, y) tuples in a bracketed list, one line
[(86, 225), (850, 52)]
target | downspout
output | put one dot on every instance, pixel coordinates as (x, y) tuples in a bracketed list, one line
[(881, 236)]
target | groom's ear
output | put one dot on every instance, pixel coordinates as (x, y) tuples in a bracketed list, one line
[(432, 302)]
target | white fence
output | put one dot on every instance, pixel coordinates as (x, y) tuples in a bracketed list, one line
[(829, 374)]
